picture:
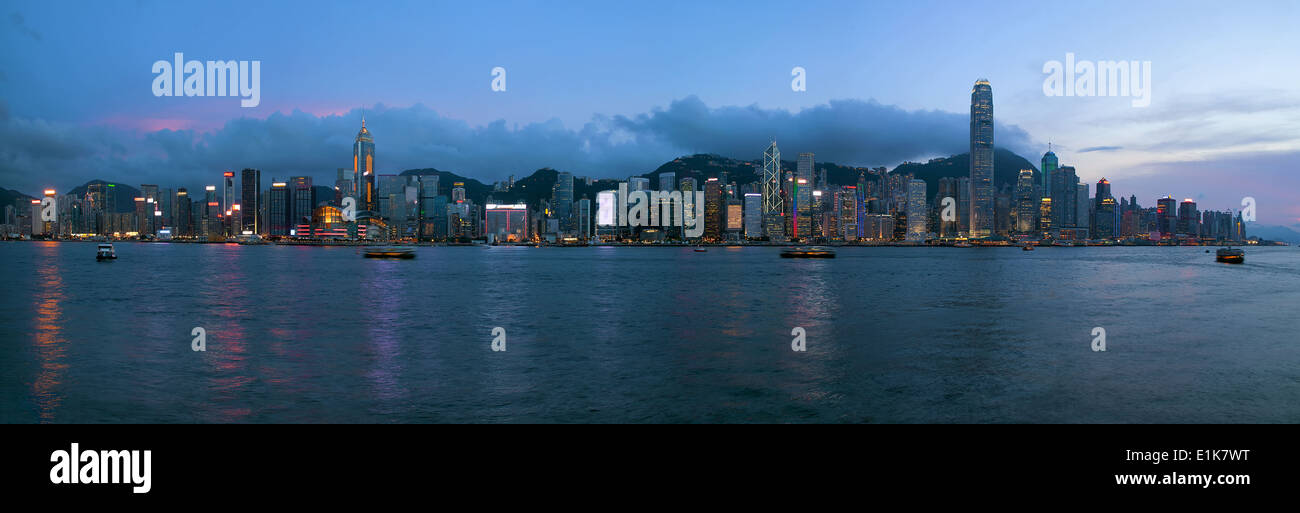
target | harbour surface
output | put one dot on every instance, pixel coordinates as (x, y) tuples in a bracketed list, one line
[(610, 334)]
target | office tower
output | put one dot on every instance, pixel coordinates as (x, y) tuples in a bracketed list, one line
[(713, 209), (583, 215), (773, 208), (667, 181), (562, 200), (1064, 194), (211, 213), (250, 188), (1026, 209), (847, 203), (1188, 219), (183, 218), (458, 192), (963, 206), (149, 223), (428, 211), (916, 211), (947, 189), (803, 177), (1104, 226), (981, 159), (1045, 215), (363, 168), (1003, 213), (753, 215), (735, 215), (303, 201), (637, 183), (1166, 216), (1049, 164), (227, 190), (687, 184), (1082, 207), (1104, 214), (278, 209)]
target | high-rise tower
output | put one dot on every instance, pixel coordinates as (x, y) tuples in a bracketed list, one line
[(981, 159), (363, 168), (773, 206)]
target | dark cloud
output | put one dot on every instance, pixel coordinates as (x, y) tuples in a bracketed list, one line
[(34, 153), (1100, 148), (22, 27)]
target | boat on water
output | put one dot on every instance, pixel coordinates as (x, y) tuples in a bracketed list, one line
[(401, 253), (1027, 247), (962, 245), (700, 250), (808, 252), (1230, 255), (105, 252)]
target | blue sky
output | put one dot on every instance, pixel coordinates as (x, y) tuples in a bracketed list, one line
[(613, 88)]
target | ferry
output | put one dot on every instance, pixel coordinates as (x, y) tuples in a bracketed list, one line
[(1230, 255), (962, 245), (1027, 247), (402, 253), (808, 252), (105, 252)]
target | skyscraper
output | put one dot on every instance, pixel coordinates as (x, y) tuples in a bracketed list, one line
[(916, 211), (278, 209), (1027, 204), (304, 201), (250, 186), (753, 215), (981, 159), (713, 214), (1049, 165), (803, 178), (363, 168), (773, 207), (562, 200)]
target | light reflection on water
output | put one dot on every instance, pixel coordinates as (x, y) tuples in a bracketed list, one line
[(299, 334)]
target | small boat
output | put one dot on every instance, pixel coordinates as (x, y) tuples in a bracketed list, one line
[(403, 253), (962, 245), (700, 250), (1230, 255), (105, 252), (1027, 247), (807, 252)]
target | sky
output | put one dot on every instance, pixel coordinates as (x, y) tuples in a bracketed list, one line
[(612, 89)]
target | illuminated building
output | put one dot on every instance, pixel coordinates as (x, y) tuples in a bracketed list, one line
[(981, 160), (713, 210), (278, 209), (507, 223), (916, 211), (363, 168), (250, 185), (1027, 203), (753, 215)]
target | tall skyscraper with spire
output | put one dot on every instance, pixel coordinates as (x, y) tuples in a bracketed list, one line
[(363, 168), (981, 159), (773, 206)]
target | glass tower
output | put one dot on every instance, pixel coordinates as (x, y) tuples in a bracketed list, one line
[(981, 159)]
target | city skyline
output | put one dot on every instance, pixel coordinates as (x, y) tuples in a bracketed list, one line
[(867, 107)]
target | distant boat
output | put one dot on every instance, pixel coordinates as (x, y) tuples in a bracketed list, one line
[(808, 252), (1230, 255), (700, 250), (403, 253), (1027, 247), (962, 245), (105, 252)]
